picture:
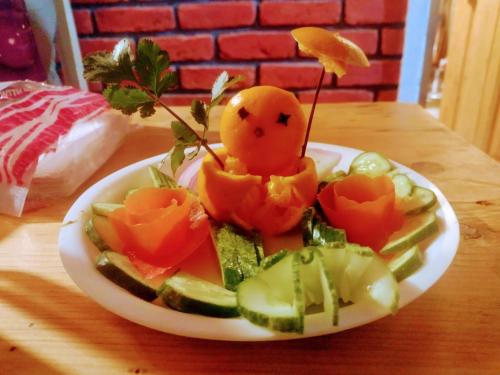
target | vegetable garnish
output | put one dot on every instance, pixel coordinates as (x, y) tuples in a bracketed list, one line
[(333, 52), (160, 226), (364, 207), (136, 83), (272, 207)]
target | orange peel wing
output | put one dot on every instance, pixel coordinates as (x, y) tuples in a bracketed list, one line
[(333, 51)]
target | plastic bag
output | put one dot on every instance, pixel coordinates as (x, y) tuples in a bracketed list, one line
[(52, 138)]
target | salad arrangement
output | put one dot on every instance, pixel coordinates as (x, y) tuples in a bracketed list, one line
[(205, 251)]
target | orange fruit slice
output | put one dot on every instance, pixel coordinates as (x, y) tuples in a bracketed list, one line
[(333, 51)]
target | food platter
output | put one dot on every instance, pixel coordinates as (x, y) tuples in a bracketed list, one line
[(78, 255)]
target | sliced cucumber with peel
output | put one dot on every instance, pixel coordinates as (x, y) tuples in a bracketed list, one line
[(117, 268), (239, 255), (357, 260), (274, 298), (318, 285), (403, 186), (420, 200), (272, 259), (103, 209), (379, 284), (186, 293), (94, 236), (362, 274), (405, 264), (371, 164), (415, 229), (160, 179)]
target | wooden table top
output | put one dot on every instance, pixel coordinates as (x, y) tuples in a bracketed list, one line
[(48, 326)]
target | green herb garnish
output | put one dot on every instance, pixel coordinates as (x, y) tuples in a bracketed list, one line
[(136, 84)]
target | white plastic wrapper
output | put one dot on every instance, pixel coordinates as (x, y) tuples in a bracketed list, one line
[(52, 138)]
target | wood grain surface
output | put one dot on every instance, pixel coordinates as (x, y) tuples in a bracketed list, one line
[(48, 326)]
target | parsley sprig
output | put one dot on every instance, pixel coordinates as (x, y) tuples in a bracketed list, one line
[(136, 83)]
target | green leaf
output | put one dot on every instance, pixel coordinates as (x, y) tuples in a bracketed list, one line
[(183, 134), (199, 113), (150, 63), (221, 84), (129, 100), (177, 156), (102, 67), (195, 152), (218, 87), (167, 82), (160, 179), (234, 81), (148, 109)]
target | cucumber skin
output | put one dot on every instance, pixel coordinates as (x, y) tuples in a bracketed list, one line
[(103, 209), (178, 302), (406, 244), (160, 179), (295, 325), (331, 285), (425, 207), (402, 272), (236, 264), (316, 232), (94, 236), (272, 259), (122, 279), (289, 324), (356, 168)]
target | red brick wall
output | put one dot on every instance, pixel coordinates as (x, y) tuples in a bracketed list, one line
[(252, 38)]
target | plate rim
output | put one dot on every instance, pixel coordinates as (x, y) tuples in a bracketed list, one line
[(76, 261)]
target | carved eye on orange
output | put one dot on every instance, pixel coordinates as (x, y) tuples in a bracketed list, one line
[(283, 119), (243, 113)]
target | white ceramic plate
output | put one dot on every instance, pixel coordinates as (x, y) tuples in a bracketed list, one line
[(78, 254)]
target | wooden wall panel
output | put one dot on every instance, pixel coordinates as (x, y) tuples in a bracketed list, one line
[(472, 80)]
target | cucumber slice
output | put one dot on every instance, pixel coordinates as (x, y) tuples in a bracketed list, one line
[(360, 273), (315, 232), (379, 284), (131, 191), (103, 209), (357, 260), (334, 176), (94, 236), (371, 164), (272, 259), (420, 200), (110, 240), (334, 259), (160, 179), (393, 172), (318, 285), (347, 265), (403, 186), (117, 268), (405, 264), (274, 298), (238, 255), (189, 294), (414, 230)]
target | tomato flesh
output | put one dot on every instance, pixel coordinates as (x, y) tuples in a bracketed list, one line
[(364, 207)]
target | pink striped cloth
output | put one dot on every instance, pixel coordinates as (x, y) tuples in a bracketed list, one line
[(34, 118)]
